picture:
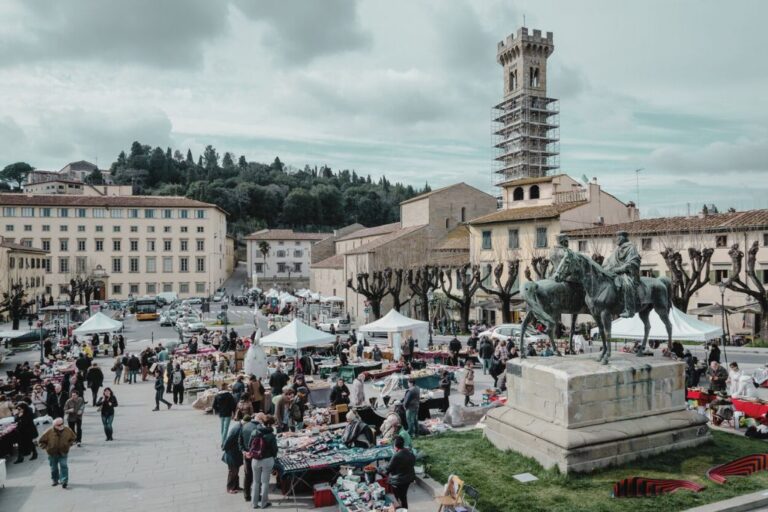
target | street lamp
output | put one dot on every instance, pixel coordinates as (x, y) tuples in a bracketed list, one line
[(722, 286)]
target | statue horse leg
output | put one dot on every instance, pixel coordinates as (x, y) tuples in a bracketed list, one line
[(606, 317), (551, 331), (573, 329), (601, 331), (644, 316), (664, 315), (523, 327)]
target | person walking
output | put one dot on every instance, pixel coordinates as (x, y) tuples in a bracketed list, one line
[(107, 403), (401, 472), (134, 365), (467, 385), (177, 378), (74, 409), (411, 402), (56, 442), (95, 379), (224, 405), (117, 368), (485, 352), (159, 390), (121, 343), (233, 458), (26, 432), (263, 450)]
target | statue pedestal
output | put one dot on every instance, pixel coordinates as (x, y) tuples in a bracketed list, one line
[(579, 415)]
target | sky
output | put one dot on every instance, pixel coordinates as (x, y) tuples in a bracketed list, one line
[(402, 88)]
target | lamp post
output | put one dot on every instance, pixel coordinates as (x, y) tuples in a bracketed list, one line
[(722, 286)]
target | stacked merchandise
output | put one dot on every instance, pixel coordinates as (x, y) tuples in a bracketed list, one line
[(356, 495), (313, 449)]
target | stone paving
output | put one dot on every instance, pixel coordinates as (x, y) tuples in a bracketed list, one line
[(167, 460)]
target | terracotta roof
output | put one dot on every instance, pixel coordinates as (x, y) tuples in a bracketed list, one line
[(285, 234), (376, 230), (382, 240), (527, 213), (747, 220), (335, 261), (19, 247), (432, 192), (530, 181), (106, 201), (456, 239)]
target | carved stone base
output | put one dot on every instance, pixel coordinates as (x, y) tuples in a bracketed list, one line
[(578, 415)]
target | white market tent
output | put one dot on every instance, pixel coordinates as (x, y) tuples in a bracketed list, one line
[(99, 323), (399, 327), (331, 298), (684, 328), (297, 335)]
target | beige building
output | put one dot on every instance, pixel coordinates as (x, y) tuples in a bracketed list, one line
[(424, 222), (21, 263), (535, 210), (286, 262), (718, 231), (73, 187), (130, 245)]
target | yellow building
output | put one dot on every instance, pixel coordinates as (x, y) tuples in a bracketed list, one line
[(22, 264)]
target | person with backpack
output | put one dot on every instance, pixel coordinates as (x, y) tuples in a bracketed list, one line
[(263, 451), (233, 458), (177, 380)]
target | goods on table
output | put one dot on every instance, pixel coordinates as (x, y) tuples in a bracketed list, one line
[(317, 417), (354, 494), (435, 425)]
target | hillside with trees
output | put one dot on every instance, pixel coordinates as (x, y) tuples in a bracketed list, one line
[(259, 195)]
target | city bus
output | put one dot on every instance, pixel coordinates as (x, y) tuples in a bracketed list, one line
[(146, 309)]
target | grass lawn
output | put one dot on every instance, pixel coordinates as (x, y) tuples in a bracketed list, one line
[(481, 465)]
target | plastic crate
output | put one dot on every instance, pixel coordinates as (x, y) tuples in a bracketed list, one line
[(322, 496)]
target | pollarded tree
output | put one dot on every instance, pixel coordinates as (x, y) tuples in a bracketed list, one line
[(15, 304), (504, 290), (753, 287), (540, 266), (468, 280), (687, 282), (422, 281), (372, 286), (394, 278)]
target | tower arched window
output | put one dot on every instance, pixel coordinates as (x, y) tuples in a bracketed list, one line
[(518, 194), (533, 79), (533, 193)]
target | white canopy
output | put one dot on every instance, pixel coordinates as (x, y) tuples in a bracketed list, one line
[(99, 323), (397, 326), (684, 328), (297, 335), (332, 298)]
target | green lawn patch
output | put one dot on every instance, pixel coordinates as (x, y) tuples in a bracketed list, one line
[(481, 465)]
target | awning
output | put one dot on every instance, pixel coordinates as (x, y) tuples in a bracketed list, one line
[(297, 335), (99, 323)]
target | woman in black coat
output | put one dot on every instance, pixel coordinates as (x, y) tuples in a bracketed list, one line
[(107, 403), (26, 432)]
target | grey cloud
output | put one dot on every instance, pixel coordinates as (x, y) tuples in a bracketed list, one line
[(717, 157), (303, 31), (147, 32)]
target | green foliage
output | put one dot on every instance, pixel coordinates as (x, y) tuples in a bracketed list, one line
[(95, 178), (490, 471), (16, 172), (258, 195)]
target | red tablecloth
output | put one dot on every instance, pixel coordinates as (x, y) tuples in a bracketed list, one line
[(701, 396), (750, 409)]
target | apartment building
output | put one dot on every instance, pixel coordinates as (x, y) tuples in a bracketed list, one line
[(285, 259), (130, 245), (22, 264)]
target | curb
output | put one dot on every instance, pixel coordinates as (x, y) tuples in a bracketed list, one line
[(755, 501), (430, 485)]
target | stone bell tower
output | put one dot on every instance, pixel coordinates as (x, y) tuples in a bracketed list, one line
[(526, 135)]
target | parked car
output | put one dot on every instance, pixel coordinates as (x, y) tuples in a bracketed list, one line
[(278, 322), (218, 296), (240, 300), (340, 325), (503, 332), (190, 323), (169, 318), (196, 301)]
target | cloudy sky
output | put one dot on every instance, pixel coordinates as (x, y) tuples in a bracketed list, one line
[(401, 88)]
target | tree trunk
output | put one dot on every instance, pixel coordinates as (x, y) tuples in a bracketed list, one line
[(375, 308), (15, 320), (424, 314), (464, 316), (506, 314)]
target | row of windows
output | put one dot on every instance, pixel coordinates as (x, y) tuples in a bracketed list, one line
[(117, 245), (26, 262), (282, 267), (296, 254), (100, 229), (519, 194), (149, 288), (150, 264), (102, 213), (513, 239)]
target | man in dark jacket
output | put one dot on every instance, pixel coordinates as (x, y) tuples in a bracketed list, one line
[(401, 471), (277, 381), (263, 439), (454, 346), (485, 352), (224, 406), (83, 363), (55, 401), (159, 390), (244, 443), (177, 382), (411, 403), (233, 458), (95, 379), (134, 365)]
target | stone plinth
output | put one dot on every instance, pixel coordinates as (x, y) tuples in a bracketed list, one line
[(579, 415)]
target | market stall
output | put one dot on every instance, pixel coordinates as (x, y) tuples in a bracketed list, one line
[(684, 328), (702, 396), (752, 408), (97, 324), (297, 335), (398, 327), (351, 371)]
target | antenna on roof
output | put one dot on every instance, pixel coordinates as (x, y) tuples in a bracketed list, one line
[(637, 184), (524, 20)]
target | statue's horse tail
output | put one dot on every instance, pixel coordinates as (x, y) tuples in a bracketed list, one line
[(531, 296)]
